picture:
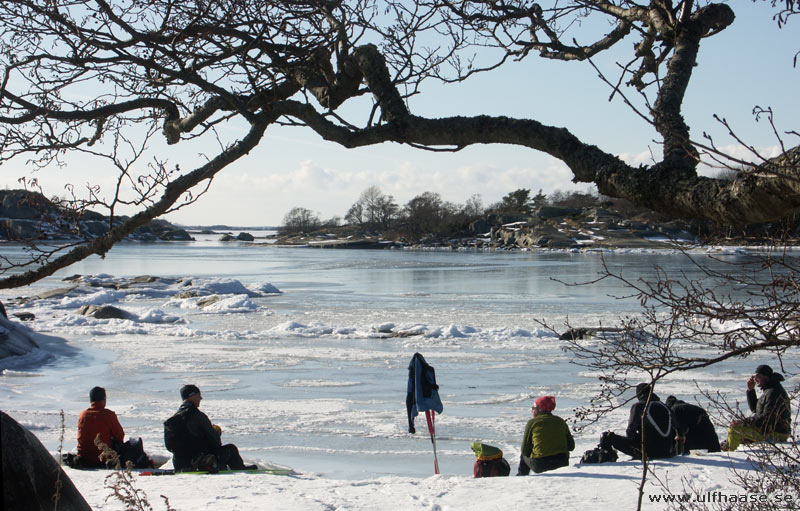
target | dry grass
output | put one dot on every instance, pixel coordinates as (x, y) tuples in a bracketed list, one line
[(57, 493), (122, 482)]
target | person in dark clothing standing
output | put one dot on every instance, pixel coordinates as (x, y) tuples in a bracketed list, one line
[(695, 427), (772, 415), (201, 447), (660, 428)]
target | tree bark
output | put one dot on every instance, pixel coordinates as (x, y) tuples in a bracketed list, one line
[(673, 189)]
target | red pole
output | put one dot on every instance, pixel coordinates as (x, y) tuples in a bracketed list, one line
[(430, 417)]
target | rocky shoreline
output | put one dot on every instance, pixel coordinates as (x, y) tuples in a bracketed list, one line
[(28, 216), (549, 228)]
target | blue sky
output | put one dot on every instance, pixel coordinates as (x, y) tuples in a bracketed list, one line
[(748, 64)]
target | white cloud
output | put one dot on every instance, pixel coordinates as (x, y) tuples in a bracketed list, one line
[(736, 153), (252, 198), (261, 188), (640, 158)]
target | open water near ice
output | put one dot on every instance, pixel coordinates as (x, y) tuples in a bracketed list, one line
[(304, 378)]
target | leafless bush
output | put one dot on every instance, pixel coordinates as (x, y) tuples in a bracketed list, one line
[(57, 493), (122, 482)]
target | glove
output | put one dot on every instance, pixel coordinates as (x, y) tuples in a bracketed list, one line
[(217, 428)]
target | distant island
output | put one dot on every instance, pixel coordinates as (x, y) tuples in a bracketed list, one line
[(599, 225), (28, 216), (228, 228), (549, 227)]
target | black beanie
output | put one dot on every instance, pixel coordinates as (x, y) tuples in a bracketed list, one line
[(97, 394), (188, 391), (642, 391), (764, 369)]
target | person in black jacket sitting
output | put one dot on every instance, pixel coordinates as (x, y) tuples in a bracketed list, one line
[(772, 415), (201, 447), (695, 427), (660, 428)]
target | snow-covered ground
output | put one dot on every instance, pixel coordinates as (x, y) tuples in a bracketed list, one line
[(700, 478)]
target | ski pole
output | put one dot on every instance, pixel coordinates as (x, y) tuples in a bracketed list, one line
[(430, 417)]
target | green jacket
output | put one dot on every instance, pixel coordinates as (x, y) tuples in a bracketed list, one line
[(546, 435)]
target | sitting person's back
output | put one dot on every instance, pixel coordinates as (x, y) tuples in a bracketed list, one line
[(195, 442), (547, 440), (97, 420), (694, 426), (660, 428), (196, 438)]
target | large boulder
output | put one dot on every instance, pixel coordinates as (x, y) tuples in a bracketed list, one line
[(556, 212), (104, 312), (19, 229), (144, 279), (245, 236), (556, 241), (162, 230), (31, 476), (24, 205), (587, 333), (94, 228), (26, 215), (480, 226), (207, 301), (14, 341)]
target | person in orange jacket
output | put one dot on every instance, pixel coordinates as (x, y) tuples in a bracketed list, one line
[(97, 420)]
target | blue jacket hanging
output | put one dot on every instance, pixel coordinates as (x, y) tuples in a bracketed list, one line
[(422, 392)]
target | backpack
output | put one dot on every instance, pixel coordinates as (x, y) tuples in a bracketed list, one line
[(132, 451), (489, 462), (206, 463), (176, 433), (599, 455), (655, 426), (491, 468)]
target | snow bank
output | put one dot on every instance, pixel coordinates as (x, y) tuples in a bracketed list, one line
[(610, 486)]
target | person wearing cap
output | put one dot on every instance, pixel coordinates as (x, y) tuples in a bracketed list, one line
[(695, 427), (771, 419), (97, 420), (202, 447), (659, 432), (547, 440)]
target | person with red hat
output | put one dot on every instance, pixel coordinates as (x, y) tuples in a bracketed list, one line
[(547, 440)]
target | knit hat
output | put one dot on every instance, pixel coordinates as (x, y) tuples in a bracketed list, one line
[(545, 403), (764, 369), (188, 391), (97, 394), (642, 390)]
